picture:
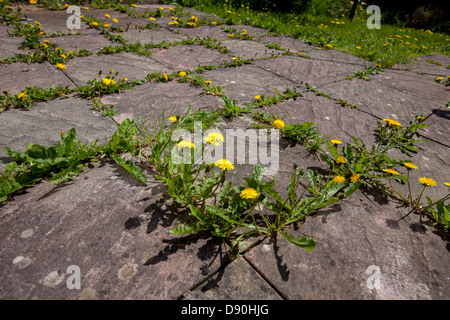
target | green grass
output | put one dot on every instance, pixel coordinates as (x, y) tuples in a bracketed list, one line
[(390, 44)]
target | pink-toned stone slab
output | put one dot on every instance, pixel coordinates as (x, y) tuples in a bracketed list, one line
[(90, 42), (247, 49), (16, 76), (187, 57)]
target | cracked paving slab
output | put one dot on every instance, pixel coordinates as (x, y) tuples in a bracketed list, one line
[(155, 99), (42, 124), (399, 95), (238, 281), (351, 246), (154, 36), (311, 71), (187, 57), (113, 228), (243, 83), (247, 49), (133, 67), (16, 76)]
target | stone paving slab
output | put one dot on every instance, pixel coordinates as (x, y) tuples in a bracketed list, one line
[(338, 56), (250, 50), (43, 123), (154, 99), (294, 45), (397, 95), (10, 46), (154, 36), (114, 229), (238, 281), (331, 118), (204, 32), (300, 70), (15, 77), (51, 21), (90, 42), (421, 66), (351, 247), (187, 57), (124, 20), (133, 67), (247, 81)]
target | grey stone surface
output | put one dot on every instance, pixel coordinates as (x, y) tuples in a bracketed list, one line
[(311, 71), (15, 77), (238, 281), (154, 36), (156, 99), (204, 32), (187, 57), (250, 49), (114, 229), (43, 123), (133, 67), (247, 81), (90, 42), (352, 250), (10, 46), (294, 45), (421, 66)]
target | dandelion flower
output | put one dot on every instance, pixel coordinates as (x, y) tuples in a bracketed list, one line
[(338, 179), (60, 66), (214, 138), (258, 97), (427, 182), (355, 177), (106, 25), (165, 76), (95, 24), (108, 81), (438, 79), (249, 193), (224, 164), (134, 5), (208, 82), (107, 15), (21, 95), (115, 20), (185, 144), (33, 1), (182, 74), (392, 122), (336, 141), (235, 58), (410, 165), (391, 171), (341, 159), (447, 184), (279, 124), (173, 118), (152, 18)]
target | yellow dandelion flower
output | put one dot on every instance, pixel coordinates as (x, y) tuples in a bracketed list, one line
[(208, 82), (427, 182), (213, 23), (391, 171), (21, 95), (33, 1), (410, 165), (106, 25), (182, 74), (358, 47), (279, 124), (392, 122), (152, 18), (95, 24), (173, 118), (338, 179), (231, 35), (86, 8), (329, 46), (60, 66), (107, 15), (224, 164), (115, 20), (165, 76), (134, 5), (235, 58), (341, 159), (447, 184), (249, 193), (214, 138), (336, 141), (438, 79), (185, 144), (355, 177), (258, 97)]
